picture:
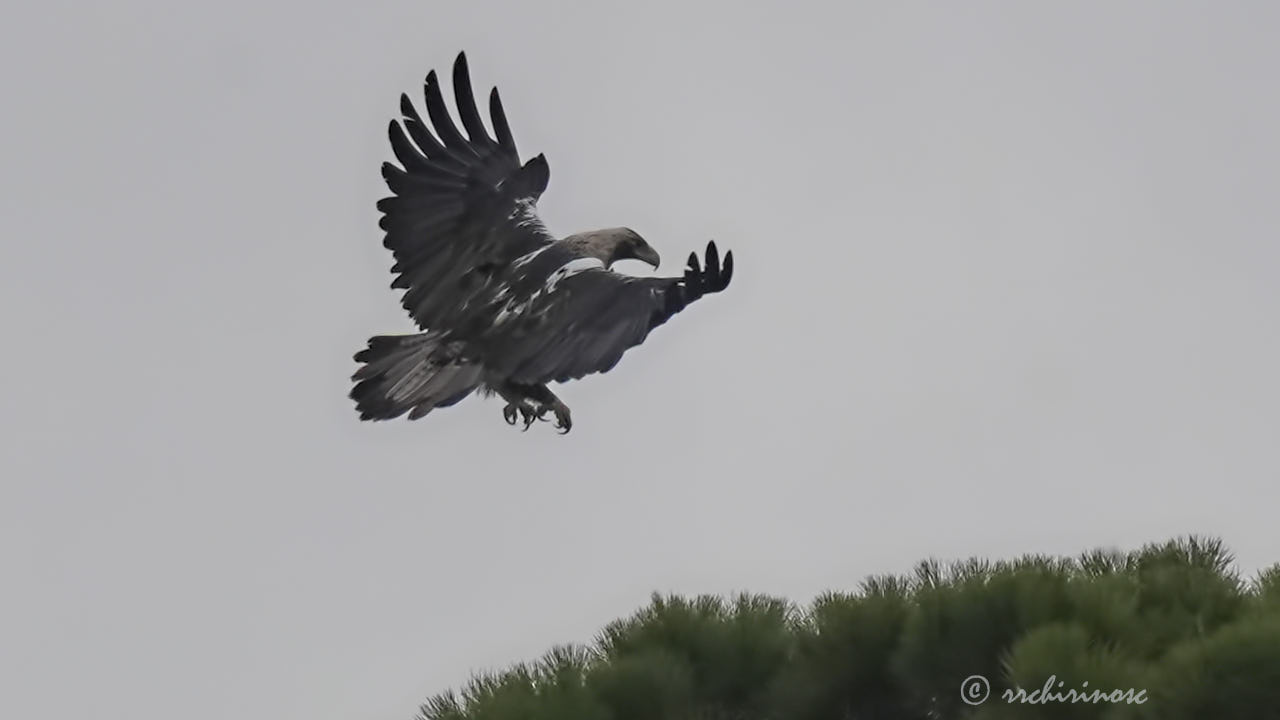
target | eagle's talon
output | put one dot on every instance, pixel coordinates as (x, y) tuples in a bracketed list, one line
[(564, 423), (525, 411)]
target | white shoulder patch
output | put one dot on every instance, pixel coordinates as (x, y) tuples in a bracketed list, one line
[(571, 268), (524, 259), (511, 309)]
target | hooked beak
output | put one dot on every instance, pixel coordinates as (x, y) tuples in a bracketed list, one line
[(648, 255)]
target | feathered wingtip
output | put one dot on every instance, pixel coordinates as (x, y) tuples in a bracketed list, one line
[(469, 113), (713, 276)]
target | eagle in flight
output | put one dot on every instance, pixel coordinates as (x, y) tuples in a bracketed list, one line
[(504, 306)]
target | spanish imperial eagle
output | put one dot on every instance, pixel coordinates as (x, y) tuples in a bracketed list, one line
[(504, 306)]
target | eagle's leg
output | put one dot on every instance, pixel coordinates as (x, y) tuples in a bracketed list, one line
[(526, 410), (533, 402), (521, 400), (547, 400)]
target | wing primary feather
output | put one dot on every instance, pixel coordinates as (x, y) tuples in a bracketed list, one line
[(500, 126), (421, 135), (409, 156), (713, 259), (417, 165), (467, 103), (440, 119)]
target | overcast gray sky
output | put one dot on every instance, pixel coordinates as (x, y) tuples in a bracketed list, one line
[(1007, 282)]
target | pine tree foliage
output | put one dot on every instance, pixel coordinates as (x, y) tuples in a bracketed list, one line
[(1172, 620)]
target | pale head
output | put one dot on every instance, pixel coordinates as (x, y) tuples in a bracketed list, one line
[(613, 244)]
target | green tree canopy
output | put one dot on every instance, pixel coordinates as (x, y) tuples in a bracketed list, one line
[(1171, 624)]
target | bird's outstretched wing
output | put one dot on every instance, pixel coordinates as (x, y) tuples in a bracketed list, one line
[(591, 318), (463, 206)]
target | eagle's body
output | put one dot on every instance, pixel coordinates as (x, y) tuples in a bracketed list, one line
[(504, 306)]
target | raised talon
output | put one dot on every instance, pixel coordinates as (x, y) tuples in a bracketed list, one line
[(529, 416), (564, 423), (525, 411), (530, 411)]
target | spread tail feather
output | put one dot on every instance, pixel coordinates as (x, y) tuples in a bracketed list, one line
[(413, 374)]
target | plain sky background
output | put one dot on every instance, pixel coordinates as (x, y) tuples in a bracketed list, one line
[(1007, 283)]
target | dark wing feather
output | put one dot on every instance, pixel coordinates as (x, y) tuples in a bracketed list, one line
[(463, 206), (586, 324)]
